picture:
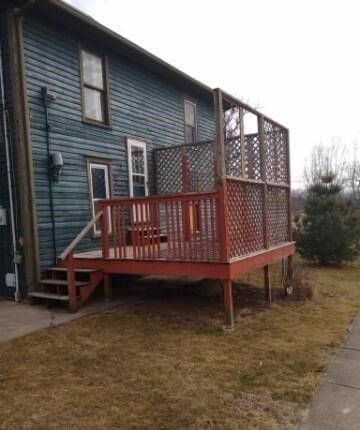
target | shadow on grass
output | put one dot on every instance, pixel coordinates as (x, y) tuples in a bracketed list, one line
[(189, 299)]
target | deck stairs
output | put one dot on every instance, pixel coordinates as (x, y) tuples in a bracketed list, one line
[(54, 287)]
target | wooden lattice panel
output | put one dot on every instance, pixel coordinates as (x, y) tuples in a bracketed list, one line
[(276, 153), (252, 157), (233, 158), (186, 168), (243, 162), (245, 217), (233, 145), (277, 201), (243, 150), (200, 167), (168, 170)]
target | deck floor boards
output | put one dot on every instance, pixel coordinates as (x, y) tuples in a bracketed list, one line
[(195, 251)]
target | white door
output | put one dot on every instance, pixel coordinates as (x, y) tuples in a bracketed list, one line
[(138, 173), (99, 189)]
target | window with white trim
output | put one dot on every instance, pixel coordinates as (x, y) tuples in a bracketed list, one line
[(190, 116), (99, 189)]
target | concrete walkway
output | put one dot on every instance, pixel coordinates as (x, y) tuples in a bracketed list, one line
[(336, 405), (18, 319)]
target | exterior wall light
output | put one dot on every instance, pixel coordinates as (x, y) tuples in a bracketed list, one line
[(56, 165)]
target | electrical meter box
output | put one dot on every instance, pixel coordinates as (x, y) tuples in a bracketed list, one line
[(2, 216)]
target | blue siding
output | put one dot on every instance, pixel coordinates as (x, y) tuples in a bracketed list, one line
[(143, 105)]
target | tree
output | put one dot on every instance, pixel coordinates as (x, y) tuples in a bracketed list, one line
[(353, 173), (336, 159), (329, 230), (328, 160), (297, 201)]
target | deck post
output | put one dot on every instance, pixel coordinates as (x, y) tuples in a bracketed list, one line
[(264, 180), (219, 149), (73, 301), (107, 287), (267, 284), (289, 275), (229, 305), (104, 230), (220, 169)]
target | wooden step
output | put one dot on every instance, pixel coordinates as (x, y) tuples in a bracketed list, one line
[(64, 270), (61, 282), (48, 296)]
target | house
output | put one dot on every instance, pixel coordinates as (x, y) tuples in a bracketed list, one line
[(113, 161)]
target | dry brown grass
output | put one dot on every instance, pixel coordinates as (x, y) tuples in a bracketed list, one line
[(164, 363)]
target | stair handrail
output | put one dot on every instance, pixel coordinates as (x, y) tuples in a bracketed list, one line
[(80, 236)]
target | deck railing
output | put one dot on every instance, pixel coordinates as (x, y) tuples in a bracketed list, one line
[(176, 227), (218, 200)]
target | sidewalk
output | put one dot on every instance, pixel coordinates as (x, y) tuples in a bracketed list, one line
[(336, 405), (18, 319)]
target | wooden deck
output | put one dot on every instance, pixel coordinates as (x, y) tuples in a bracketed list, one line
[(226, 213), (176, 252), (177, 267)]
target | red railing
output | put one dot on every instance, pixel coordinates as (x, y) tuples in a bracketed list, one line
[(66, 259), (175, 227)]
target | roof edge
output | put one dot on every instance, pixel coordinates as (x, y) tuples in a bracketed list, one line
[(151, 58)]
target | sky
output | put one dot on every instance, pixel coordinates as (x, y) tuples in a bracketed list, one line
[(297, 61)]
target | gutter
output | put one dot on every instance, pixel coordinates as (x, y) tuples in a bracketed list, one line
[(46, 99)]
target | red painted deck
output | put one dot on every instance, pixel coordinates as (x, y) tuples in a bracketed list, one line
[(237, 220), (172, 267)]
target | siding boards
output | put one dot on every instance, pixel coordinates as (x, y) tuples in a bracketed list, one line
[(143, 106)]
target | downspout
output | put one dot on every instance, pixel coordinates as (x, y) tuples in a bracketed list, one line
[(9, 178), (46, 99)]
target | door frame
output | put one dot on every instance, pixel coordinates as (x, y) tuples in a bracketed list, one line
[(107, 167), (133, 141)]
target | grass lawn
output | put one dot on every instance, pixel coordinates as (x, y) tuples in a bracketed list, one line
[(164, 362)]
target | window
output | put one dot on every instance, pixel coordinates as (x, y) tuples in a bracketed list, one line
[(94, 93), (190, 121), (137, 165), (99, 189)]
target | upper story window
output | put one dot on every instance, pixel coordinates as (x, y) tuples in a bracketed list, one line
[(190, 121), (94, 88)]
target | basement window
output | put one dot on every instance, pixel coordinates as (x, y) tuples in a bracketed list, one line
[(94, 88), (190, 116)]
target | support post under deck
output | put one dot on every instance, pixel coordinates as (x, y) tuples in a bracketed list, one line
[(107, 286), (289, 275), (267, 284), (229, 305)]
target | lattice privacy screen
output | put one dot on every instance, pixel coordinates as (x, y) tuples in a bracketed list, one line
[(243, 151), (245, 210), (187, 168), (277, 202), (276, 153), (245, 217), (257, 183)]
